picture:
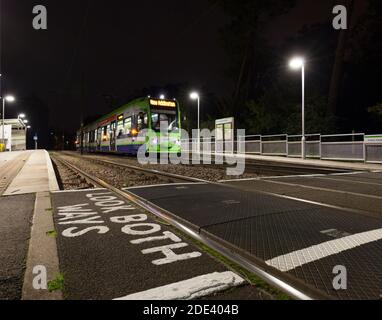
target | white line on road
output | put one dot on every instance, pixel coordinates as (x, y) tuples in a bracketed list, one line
[(295, 176), (350, 181), (324, 189), (299, 258), (190, 289)]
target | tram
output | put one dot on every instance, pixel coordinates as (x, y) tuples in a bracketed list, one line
[(121, 131)]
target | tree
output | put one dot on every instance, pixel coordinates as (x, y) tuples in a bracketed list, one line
[(376, 110), (337, 72), (244, 44)]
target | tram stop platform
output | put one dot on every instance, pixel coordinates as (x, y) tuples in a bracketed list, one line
[(27, 172), (26, 180), (329, 164)]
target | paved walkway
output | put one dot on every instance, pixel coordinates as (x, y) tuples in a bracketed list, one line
[(27, 177), (37, 175), (7, 157)]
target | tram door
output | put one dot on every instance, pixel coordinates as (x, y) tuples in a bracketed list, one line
[(113, 136)]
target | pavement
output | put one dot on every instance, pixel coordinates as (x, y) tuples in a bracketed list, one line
[(15, 223), (25, 176), (7, 157), (37, 175)]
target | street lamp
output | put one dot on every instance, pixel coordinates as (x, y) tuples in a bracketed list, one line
[(195, 96), (296, 64), (26, 136), (21, 116), (8, 99), (162, 97)]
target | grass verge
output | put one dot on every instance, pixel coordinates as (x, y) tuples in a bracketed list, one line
[(57, 283)]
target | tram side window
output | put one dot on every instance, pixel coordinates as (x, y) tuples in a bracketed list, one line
[(120, 129), (142, 121), (128, 125)]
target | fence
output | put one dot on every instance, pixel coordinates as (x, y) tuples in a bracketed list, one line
[(343, 147), (355, 147)]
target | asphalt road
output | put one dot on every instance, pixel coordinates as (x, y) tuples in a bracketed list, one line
[(305, 241), (108, 249), (16, 214)]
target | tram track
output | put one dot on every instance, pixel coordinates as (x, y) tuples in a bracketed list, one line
[(272, 278), (252, 167), (169, 177)]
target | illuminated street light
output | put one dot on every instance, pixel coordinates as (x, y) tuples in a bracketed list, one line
[(162, 97), (21, 116), (195, 96), (25, 121), (296, 64), (8, 99)]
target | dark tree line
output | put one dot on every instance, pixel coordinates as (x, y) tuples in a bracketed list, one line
[(343, 70)]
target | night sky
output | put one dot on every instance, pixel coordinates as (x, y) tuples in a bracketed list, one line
[(123, 47)]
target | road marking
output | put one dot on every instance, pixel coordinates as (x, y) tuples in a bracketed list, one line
[(347, 173), (190, 289), (295, 176), (299, 258), (325, 189), (350, 181)]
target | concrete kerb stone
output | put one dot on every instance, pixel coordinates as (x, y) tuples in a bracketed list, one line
[(42, 251)]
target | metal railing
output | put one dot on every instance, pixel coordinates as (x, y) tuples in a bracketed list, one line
[(355, 147), (274, 145), (312, 146), (345, 147)]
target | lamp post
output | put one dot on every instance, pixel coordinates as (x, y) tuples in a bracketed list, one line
[(9, 99), (26, 136), (195, 96), (296, 64)]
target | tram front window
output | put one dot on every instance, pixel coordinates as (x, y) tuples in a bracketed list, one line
[(169, 120)]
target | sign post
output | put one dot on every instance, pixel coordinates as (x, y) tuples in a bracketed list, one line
[(35, 138)]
